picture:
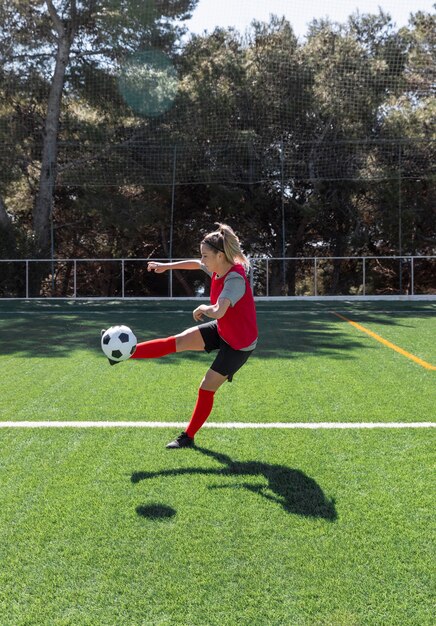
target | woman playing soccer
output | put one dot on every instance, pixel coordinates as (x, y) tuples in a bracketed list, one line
[(232, 331)]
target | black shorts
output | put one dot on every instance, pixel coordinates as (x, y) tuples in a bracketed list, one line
[(228, 360)]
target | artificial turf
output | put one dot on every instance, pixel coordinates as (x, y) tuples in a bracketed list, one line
[(252, 527), (309, 365), (270, 527)]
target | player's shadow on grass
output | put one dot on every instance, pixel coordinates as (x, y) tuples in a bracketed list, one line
[(295, 492)]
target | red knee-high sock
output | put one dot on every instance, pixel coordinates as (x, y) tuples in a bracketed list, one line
[(201, 412), (155, 348)]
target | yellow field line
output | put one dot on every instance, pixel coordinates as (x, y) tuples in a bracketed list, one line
[(387, 343)]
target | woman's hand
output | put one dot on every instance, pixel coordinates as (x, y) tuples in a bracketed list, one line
[(200, 312), (158, 268), (215, 311)]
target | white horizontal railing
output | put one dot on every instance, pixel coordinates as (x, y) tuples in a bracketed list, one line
[(260, 273)]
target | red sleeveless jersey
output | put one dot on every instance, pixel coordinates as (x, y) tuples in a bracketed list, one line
[(238, 326)]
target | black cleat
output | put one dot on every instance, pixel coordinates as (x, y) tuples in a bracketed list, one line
[(182, 441)]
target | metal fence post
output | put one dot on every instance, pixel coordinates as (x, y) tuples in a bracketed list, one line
[(412, 276), (267, 277), (400, 223), (75, 279), (173, 195), (122, 278), (315, 278), (27, 279), (364, 276)]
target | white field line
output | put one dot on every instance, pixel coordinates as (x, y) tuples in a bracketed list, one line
[(228, 425)]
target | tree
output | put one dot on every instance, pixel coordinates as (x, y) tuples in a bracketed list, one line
[(59, 45), (306, 147)]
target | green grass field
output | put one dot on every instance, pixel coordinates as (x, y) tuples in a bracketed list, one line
[(252, 527)]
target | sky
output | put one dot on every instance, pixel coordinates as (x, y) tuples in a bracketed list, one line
[(240, 13)]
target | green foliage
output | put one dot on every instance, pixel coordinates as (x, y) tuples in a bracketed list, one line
[(274, 123)]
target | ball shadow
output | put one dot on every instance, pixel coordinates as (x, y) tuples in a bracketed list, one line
[(155, 511)]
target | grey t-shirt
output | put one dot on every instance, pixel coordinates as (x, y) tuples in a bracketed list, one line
[(233, 290)]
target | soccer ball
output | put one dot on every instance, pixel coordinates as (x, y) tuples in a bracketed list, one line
[(118, 343)]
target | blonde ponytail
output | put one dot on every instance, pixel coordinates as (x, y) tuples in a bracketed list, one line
[(224, 239)]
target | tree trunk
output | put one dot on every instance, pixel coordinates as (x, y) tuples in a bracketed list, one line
[(44, 199), (8, 244), (5, 220), (42, 211)]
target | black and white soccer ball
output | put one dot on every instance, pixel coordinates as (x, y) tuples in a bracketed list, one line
[(118, 343)]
